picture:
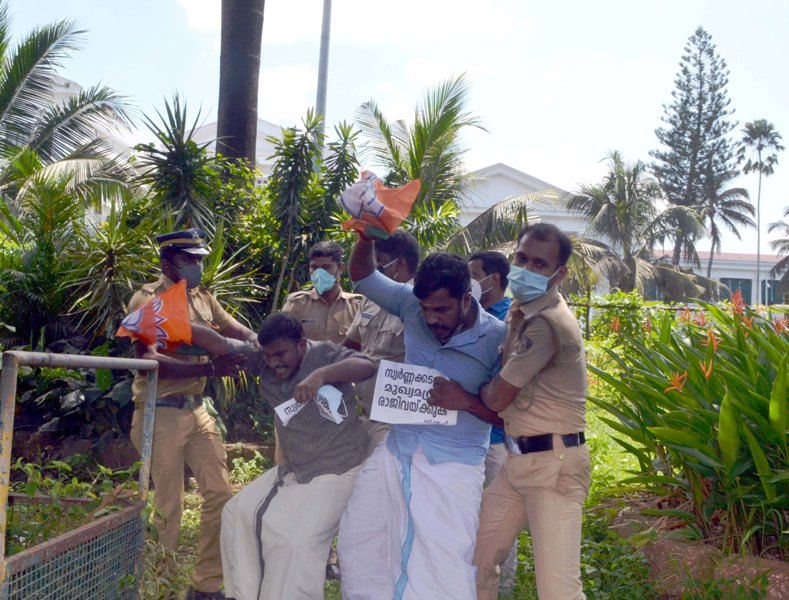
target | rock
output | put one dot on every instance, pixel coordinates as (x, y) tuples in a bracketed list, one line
[(116, 451), (744, 570), (246, 450)]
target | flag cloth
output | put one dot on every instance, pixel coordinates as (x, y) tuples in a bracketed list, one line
[(163, 320), (377, 210)]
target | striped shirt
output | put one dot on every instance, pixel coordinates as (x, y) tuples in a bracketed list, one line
[(311, 444)]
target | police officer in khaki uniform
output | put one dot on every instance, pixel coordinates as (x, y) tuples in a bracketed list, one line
[(540, 393), (326, 311), (377, 333), (183, 430)]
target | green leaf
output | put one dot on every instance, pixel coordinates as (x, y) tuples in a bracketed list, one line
[(762, 466), (778, 404), (728, 436)]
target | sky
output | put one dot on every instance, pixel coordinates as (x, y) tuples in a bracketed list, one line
[(557, 85)]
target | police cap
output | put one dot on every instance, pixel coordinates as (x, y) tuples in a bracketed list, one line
[(189, 240)]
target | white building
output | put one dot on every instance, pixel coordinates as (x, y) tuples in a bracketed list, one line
[(500, 182), (264, 149)]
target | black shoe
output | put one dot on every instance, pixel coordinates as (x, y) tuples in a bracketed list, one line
[(333, 572), (193, 594)]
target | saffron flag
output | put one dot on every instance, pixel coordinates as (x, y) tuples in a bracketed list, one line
[(163, 320), (375, 209)]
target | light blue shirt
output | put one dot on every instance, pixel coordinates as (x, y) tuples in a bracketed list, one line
[(470, 358)]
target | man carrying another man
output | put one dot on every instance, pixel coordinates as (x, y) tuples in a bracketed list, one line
[(540, 393)]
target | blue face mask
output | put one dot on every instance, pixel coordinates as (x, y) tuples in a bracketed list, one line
[(322, 280), (527, 286), (193, 273)]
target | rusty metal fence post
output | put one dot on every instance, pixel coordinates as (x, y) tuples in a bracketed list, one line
[(11, 361)]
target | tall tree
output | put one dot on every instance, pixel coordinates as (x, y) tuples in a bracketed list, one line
[(695, 135), (239, 69), (724, 206), (760, 144), (623, 210)]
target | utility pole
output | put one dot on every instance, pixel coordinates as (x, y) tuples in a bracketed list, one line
[(323, 64)]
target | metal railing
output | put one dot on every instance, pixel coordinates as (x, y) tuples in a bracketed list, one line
[(90, 543)]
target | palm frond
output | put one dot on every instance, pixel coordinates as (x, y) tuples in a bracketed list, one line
[(499, 224)]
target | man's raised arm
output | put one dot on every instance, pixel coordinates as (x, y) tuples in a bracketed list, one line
[(362, 261)]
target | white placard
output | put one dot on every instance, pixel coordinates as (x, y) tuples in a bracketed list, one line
[(401, 396), (288, 410), (328, 399)]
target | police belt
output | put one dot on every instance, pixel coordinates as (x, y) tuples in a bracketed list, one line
[(541, 443), (190, 402)]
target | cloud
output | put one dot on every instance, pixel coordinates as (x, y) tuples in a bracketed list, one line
[(286, 92), (407, 23), (203, 15)]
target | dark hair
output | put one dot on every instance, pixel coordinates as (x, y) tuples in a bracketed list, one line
[(546, 232), (493, 262), (401, 244), (278, 326), (442, 270), (326, 248)]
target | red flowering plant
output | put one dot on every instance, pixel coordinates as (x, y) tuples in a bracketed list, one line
[(700, 399)]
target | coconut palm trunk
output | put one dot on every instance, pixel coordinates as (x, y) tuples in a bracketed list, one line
[(239, 70)]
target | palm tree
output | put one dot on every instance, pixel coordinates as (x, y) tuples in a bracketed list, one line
[(728, 207), (781, 246), (623, 210), (428, 149), (239, 71), (37, 133), (759, 137)]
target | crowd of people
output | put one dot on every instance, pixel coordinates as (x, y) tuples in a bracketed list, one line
[(419, 511)]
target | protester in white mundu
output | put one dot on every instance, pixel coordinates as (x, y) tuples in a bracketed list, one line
[(277, 531), (409, 528)]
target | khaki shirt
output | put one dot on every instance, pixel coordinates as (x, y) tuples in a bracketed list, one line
[(544, 357), (203, 309), (380, 335), (323, 322)]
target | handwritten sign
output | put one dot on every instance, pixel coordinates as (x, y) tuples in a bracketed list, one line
[(401, 396)]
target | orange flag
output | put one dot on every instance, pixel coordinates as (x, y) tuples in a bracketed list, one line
[(163, 320), (377, 210)]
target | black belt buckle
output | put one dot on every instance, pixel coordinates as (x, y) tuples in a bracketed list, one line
[(179, 402), (544, 442)]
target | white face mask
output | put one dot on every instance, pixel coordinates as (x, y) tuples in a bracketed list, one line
[(476, 290), (486, 290), (329, 399)]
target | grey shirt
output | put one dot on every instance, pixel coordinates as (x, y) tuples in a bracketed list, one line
[(311, 444)]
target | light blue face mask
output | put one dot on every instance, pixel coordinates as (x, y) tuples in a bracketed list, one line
[(322, 280), (329, 400), (527, 286)]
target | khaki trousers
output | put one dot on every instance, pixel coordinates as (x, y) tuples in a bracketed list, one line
[(184, 436), (544, 492), (494, 461)]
